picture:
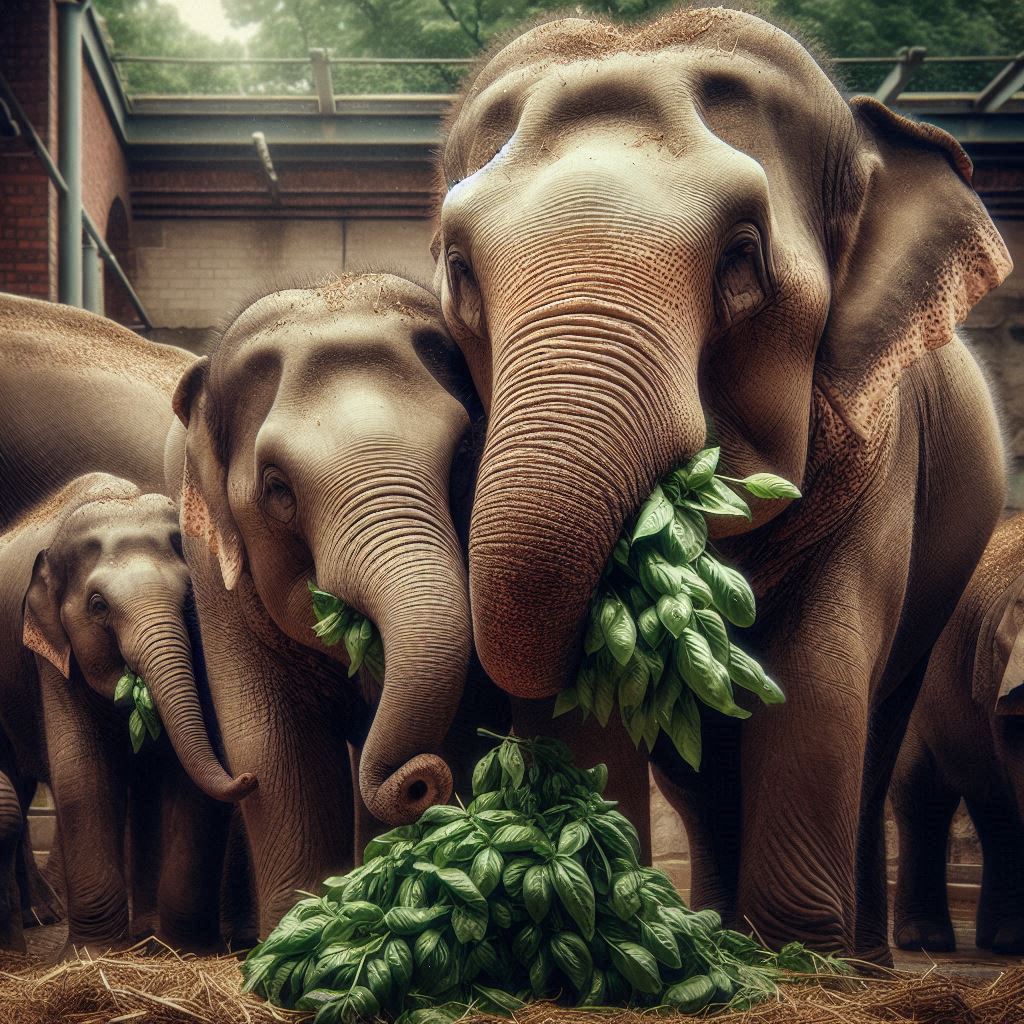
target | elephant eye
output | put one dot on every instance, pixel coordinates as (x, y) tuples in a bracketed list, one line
[(464, 291), (743, 279), (176, 544), (97, 606), (278, 498)]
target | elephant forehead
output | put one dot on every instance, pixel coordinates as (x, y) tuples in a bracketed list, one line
[(111, 524), (659, 83)]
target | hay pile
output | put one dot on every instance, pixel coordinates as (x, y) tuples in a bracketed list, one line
[(129, 988)]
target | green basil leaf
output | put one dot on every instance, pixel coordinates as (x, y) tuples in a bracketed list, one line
[(714, 498), (442, 814), (537, 892), (511, 760), (655, 514), (494, 1000), (659, 941), (398, 957), (136, 730), (593, 640), (650, 627), (123, 690), (748, 674), (686, 536), (684, 729), (674, 612), (692, 995), (413, 920), (604, 699), (573, 837), (575, 892), (701, 468), (461, 886), (711, 625), (486, 869), (486, 774), (731, 592), (618, 628), (636, 965), (572, 957), (526, 944), (768, 485), (469, 925), (708, 678), (566, 701), (625, 894)]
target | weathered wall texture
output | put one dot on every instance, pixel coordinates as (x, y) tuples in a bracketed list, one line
[(191, 273)]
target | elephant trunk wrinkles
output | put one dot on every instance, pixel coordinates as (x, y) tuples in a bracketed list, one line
[(413, 585), (155, 641), (570, 455)]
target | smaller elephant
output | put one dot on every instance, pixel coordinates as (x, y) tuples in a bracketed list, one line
[(91, 582), (966, 740)]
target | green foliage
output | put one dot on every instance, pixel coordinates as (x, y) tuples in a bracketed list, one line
[(533, 891), (144, 720), (657, 637), (337, 622), (462, 28)]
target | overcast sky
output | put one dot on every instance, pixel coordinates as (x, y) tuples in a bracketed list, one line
[(207, 16)]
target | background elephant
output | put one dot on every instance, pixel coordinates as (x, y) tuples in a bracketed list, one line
[(78, 394), (92, 581), (966, 740), (319, 444), (654, 235)]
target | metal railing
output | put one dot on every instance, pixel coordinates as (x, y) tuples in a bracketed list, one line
[(317, 75)]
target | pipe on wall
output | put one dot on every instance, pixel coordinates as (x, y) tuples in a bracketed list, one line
[(69, 145)]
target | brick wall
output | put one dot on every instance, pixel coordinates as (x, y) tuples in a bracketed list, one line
[(191, 273), (28, 203)]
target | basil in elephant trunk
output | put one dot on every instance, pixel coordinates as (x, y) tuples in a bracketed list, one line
[(319, 446), (649, 229), (93, 579)]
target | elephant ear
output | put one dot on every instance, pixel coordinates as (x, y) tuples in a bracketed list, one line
[(205, 512), (999, 658), (915, 254), (42, 630)]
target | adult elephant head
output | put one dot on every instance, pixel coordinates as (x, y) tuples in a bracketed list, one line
[(649, 230), (111, 590), (319, 448)]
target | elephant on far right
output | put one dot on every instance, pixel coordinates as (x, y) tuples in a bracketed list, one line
[(966, 741)]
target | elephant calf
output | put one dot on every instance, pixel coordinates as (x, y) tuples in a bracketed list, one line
[(966, 740), (92, 581), (318, 445)]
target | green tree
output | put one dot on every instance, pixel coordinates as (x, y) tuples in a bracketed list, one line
[(152, 28)]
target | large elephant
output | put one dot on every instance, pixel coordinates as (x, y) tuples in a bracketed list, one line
[(657, 234), (78, 394), (966, 741), (317, 445), (90, 582)]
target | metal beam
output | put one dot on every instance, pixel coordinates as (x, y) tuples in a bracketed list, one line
[(910, 59), (1002, 87), (322, 81), (262, 150), (92, 293), (69, 143)]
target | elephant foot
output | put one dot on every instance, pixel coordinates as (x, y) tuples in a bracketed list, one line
[(930, 935), (91, 949), (1008, 939), (876, 956), (44, 906)]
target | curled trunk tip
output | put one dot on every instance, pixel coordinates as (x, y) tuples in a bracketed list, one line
[(407, 792)]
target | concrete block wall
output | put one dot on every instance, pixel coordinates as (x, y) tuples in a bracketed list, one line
[(192, 273)]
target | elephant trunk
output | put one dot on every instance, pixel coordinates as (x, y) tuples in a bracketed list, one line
[(570, 455), (409, 576), (156, 642)]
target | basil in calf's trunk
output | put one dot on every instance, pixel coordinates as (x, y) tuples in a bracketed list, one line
[(337, 622), (132, 691), (657, 639), (532, 891)]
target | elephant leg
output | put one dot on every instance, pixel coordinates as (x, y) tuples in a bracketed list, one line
[(238, 924), (1000, 919), (11, 831), (40, 905), (143, 845), (89, 794), (709, 804), (628, 773), (924, 806), (194, 840), (886, 732)]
